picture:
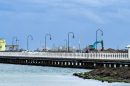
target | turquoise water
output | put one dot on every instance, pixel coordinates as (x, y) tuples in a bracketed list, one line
[(20, 75)]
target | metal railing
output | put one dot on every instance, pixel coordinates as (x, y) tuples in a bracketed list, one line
[(109, 56)]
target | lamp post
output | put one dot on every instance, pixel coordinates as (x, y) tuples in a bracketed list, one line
[(97, 35), (18, 45), (65, 45), (14, 39), (79, 46), (47, 35), (31, 38), (70, 33)]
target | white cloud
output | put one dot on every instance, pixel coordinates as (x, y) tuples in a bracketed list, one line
[(98, 11)]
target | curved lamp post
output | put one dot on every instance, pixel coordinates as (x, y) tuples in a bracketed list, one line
[(31, 38), (70, 33), (47, 35), (99, 30)]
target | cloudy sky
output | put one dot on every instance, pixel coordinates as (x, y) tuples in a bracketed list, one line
[(58, 17)]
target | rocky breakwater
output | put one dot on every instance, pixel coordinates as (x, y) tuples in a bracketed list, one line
[(107, 74)]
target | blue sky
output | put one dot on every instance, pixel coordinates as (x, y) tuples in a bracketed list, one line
[(58, 17)]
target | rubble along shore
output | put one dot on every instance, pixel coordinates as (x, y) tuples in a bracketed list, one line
[(107, 74)]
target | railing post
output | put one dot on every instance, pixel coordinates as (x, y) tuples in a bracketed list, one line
[(128, 51)]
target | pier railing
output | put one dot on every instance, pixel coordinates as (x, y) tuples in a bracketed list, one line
[(109, 56)]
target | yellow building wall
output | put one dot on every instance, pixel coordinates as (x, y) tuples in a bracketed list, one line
[(2, 45)]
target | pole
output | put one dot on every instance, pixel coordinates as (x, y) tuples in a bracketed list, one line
[(46, 38), (79, 47), (16, 39), (29, 36), (97, 35), (65, 45), (70, 33)]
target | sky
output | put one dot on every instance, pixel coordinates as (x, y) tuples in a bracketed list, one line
[(58, 17)]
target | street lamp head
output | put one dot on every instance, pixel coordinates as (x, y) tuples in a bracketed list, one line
[(30, 37), (73, 36), (72, 33), (50, 38), (102, 33)]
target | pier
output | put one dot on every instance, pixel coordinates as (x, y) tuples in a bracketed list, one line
[(72, 60)]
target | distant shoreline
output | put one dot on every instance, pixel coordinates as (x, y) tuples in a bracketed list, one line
[(107, 74)]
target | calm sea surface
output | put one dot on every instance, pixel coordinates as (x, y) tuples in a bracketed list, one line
[(19, 75)]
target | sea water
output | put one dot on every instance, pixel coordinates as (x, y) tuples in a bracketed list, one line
[(21, 75)]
